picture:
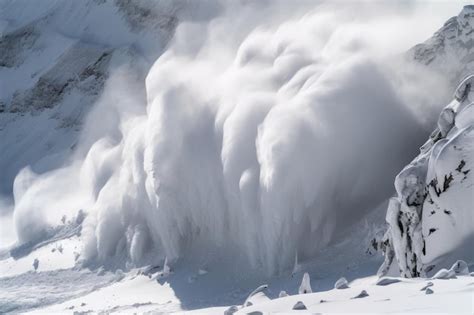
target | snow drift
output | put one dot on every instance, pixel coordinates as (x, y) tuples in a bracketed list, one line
[(264, 138)]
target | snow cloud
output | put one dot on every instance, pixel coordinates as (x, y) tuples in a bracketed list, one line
[(269, 128)]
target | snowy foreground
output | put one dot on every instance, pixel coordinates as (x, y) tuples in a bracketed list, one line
[(57, 285), (56, 282)]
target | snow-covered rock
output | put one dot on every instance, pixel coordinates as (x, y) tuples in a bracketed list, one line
[(431, 221), (444, 274), (361, 295), (460, 268), (256, 296), (427, 285), (341, 284), (299, 306), (305, 286)]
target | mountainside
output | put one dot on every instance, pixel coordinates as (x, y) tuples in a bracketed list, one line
[(166, 156), (451, 49), (54, 65), (431, 219)]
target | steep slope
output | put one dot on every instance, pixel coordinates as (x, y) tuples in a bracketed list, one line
[(54, 65), (431, 219), (451, 49)]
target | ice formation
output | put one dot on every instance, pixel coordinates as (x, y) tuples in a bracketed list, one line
[(431, 219)]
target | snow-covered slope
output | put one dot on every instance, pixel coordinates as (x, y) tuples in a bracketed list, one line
[(55, 59)]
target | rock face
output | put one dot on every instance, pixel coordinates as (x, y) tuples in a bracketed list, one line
[(451, 49), (431, 218)]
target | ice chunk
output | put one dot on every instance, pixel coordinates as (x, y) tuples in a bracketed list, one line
[(282, 294), (429, 291)]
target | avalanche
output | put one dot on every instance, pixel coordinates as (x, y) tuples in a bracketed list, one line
[(190, 152), (252, 143)]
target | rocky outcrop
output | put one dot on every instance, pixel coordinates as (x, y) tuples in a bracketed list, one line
[(450, 49), (432, 219)]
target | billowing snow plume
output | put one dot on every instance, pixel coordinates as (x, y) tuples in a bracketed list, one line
[(263, 139)]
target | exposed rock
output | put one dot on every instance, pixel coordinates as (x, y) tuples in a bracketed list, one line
[(362, 294), (387, 281), (460, 268)]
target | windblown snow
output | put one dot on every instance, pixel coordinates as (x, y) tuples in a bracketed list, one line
[(253, 141)]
